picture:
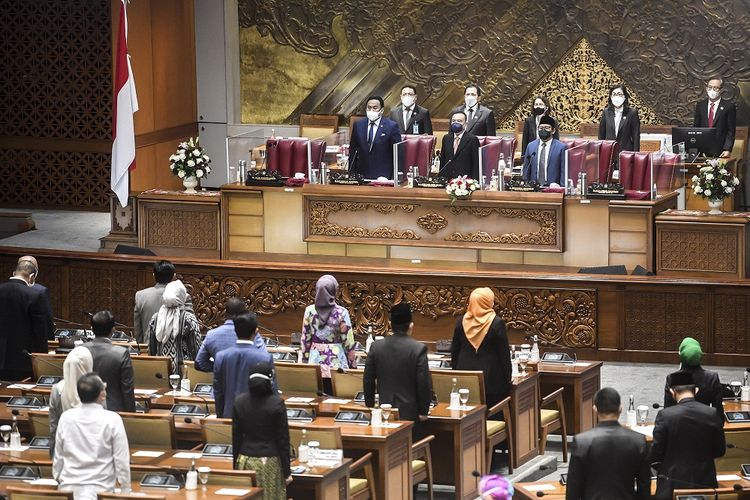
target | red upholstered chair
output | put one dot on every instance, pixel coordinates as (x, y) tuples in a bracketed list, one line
[(608, 151), (664, 175), (287, 156), (573, 143), (506, 145), (635, 174), (317, 153), (418, 151), (576, 159)]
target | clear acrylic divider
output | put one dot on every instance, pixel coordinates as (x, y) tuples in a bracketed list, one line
[(667, 173), (400, 166), (336, 155), (248, 146), (583, 158)]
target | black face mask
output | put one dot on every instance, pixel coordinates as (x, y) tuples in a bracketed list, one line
[(539, 111), (545, 134)]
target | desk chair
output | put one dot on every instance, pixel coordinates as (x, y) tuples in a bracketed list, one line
[(146, 369), (230, 477), (39, 422), (421, 463), (299, 379), (19, 493), (713, 494), (314, 126), (149, 430), (362, 488), (733, 456), (47, 364), (216, 430), (196, 376), (497, 431), (553, 419), (348, 383)]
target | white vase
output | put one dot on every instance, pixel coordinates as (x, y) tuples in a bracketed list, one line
[(715, 206), (190, 184)]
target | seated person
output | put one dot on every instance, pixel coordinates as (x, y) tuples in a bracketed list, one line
[(544, 158)]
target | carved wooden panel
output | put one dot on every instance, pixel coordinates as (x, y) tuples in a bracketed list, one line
[(688, 249), (659, 321), (97, 287), (732, 323), (179, 228)]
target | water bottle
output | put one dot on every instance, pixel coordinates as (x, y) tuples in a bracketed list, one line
[(15, 436), (302, 453), (435, 164), (535, 351), (746, 378), (513, 362), (501, 166), (455, 401), (191, 478), (376, 417), (630, 419), (273, 133)]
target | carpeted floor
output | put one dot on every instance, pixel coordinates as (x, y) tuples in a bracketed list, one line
[(62, 230)]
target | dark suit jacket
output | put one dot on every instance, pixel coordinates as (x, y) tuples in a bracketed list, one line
[(687, 438), (555, 162), (260, 428), (629, 134), (48, 304), (419, 115), (529, 131), (483, 122), (709, 389), (112, 363), (606, 462), (376, 161), (466, 159), (492, 358), (397, 369), (725, 122), (232, 368), (24, 320)]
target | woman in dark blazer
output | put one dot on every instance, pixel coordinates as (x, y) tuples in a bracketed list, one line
[(480, 343), (260, 433), (620, 122), (539, 107)]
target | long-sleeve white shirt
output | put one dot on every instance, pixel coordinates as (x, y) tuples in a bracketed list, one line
[(91, 448)]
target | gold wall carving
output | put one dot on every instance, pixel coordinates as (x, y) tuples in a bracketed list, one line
[(320, 225), (546, 235), (432, 222)]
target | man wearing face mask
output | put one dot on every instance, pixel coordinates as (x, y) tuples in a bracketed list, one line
[(24, 317), (411, 118), (620, 122), (371, 145), (539, 107), (543, 159), (717, 113), (480, 120), (460, 151)]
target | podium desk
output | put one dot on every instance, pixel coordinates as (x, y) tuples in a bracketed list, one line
[(524, 412), (581, 380), (458, 448)]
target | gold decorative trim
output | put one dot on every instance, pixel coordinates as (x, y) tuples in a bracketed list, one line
[(546, 235), (432, 222), (321, 226)]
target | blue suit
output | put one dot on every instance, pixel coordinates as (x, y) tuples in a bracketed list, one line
[(555, 162), (220, 338), (375, 161), (231, 371)]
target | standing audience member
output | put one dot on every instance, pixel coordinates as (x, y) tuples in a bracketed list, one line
[(397, 369), (148, 300), (539, 108), (233, 365), (609, 462), (64, 394), (707, 385), (327, 336), (371, 146), (718, 113), (45, 291), (174, 330), (460, 150), (687, 439), (223, 337), (112, 363), (24, 320), (620, 122), (480, 120), (260, 433), (410, 116), (91, 452)]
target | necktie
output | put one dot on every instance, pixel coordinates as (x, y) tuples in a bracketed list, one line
[(370, 133), (542, 174), (711, 115), (456, 141), (407, 115), (471, 114)]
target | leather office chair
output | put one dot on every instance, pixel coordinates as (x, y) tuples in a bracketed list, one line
[(196, 376), (287, 156), (552, 419), (216, 430), (635, 175), (151, 372), (348, 383), (299, 379), (19, 493), (149, 431), (317, 153), (609, 151), (418, 151)]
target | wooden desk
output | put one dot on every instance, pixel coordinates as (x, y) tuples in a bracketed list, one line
[(524, 412), (696, 244), (458, 448), (178, 224), (321, 483), (391, 449), (738, 434), (581, 381)]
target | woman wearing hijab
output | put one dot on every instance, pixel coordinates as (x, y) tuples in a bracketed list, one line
[(327, 337), (260, 433), (174, 331), (64, 394), (480, 343)]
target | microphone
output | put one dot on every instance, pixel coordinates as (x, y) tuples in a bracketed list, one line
[(527, 158), (69, 322), (476, 473), (353, 165), (205, 403), (160, 376), (540, 494), (656, 406), (689, 484), (733, 446), (444, 167)]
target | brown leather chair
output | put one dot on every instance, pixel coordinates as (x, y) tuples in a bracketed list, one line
[(287, 156), (314, 126), (552, 418), (418, 151), (635, 174)]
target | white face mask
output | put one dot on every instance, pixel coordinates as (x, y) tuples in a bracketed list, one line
[(407, 101), (618, 101), (373, 115), (471, 101), (713, 94)]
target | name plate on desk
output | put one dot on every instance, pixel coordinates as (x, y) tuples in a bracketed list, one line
[(522, 186), (613, 191), (558, 357), (264, 178), (430, 182), (343, 179)]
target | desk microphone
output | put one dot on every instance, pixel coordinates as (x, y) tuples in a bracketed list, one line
[(160, 376), (353, 162), (524, 163), (656, 406), (540, 494), (444, 167), (689, 484), (69, 322), (205, 402), (733, 446)]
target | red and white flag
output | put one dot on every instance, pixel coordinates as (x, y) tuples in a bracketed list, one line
[(125, 104)]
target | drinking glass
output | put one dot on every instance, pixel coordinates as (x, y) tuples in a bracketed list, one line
[(736, 388), (523, 360), (386, 412), (463, 396), (203, 474), (5, 434), (314, 176), (526, 349), (642, 414), (174, 382)]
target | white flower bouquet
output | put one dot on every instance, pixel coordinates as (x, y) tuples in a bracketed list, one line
[(714, 180), (189, 160), (461, 188)]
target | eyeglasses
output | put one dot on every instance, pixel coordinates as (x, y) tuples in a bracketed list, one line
[(618, 94), (545, 127), (408, 94)]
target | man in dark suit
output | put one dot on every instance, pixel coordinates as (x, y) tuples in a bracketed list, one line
[(718, 113), (687, 439), (397, 369), (480, 120), (148, 301), (371, 144), (608, 460), (45, 291), (410, 117), (24, 319), (112, 363), (459, 154), (544, 158), (707, 384), (232, 366)]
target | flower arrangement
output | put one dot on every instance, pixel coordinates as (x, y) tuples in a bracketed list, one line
[(189, 160), (714, 181), (461, 188)]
